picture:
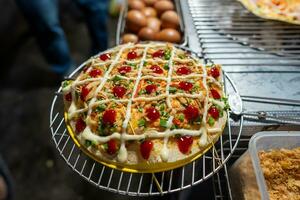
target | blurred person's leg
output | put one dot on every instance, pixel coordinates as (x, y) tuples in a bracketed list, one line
[(42, 16), (96, 12), (6, 191)]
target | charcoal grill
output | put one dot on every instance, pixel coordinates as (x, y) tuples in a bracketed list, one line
[(250, 49)]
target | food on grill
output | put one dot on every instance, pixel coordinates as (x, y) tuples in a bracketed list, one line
[(281, 169), (160, 16), (146, 106), (283, 10)]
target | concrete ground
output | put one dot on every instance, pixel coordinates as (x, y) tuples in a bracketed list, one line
[(27, 88)]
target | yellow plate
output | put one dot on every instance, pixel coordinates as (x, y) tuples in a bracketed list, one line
[(138, 168)]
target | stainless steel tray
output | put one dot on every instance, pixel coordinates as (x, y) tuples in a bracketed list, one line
[(121, 28)]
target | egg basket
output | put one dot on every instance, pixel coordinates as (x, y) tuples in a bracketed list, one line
[(136, 183), (121, 28)]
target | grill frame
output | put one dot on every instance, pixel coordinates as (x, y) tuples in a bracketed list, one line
[(147, 184)]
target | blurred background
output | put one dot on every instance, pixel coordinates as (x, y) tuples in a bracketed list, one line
[(27, 88)]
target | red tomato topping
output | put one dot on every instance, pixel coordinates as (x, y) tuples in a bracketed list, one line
[(68, 97), (95, 72), (152, 114), (176, 122), (159, 53), (119, 91), (104, 56), (124, 69), (112, 146), (213, 111), (80, 125), (151, 88), (186, 86), (157, 69), (214, 72), (84, 92), (191, 112), (145, 149), (215, 94), (183, 70), (109, 117), (131, 55), (184, 144)]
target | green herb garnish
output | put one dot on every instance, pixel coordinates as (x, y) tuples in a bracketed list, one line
[(181, 117), (211, 121), (163, 123), (88, 143), (116, 78), (100, 108), (66, 83), (167, 55), (142, 92), (162, 107), (142, 123), (172, 89), (166, 66), (140, 109)]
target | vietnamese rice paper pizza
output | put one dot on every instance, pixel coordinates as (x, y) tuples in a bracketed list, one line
[(145, 107), (283, 10)]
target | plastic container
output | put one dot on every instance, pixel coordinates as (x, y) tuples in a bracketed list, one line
[(245, 176)]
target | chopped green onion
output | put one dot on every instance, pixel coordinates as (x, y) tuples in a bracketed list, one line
[(162, 107), (166, 66), (211, 121), (172, 89), (88, 143), (66, 83), (181, 117), (142, 122), (105, 146), (149, 82), (116, 78), (100, 108), (140, 109), (142, 92), (163, 123), (167, 55)]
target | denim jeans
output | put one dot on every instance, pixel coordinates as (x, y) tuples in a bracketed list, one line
[(43, 18)]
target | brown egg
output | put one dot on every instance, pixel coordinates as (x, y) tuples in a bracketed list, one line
[(149, 2), (154, 24), (136, 20), (169, 35), (169, 19), (146, 33), (162, 6), (136, 4), (149, 12), (130, 37)]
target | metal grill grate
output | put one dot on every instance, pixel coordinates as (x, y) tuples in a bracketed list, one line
[(227, 30), (147, 184)]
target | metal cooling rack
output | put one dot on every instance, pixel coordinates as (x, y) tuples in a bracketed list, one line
[(226, 30), (143, 184)]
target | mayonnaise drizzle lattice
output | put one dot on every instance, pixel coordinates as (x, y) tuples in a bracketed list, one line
[(123, 137)]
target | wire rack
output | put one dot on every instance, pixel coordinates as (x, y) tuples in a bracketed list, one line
[(143, 184), (243, 43), (226, 30)]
